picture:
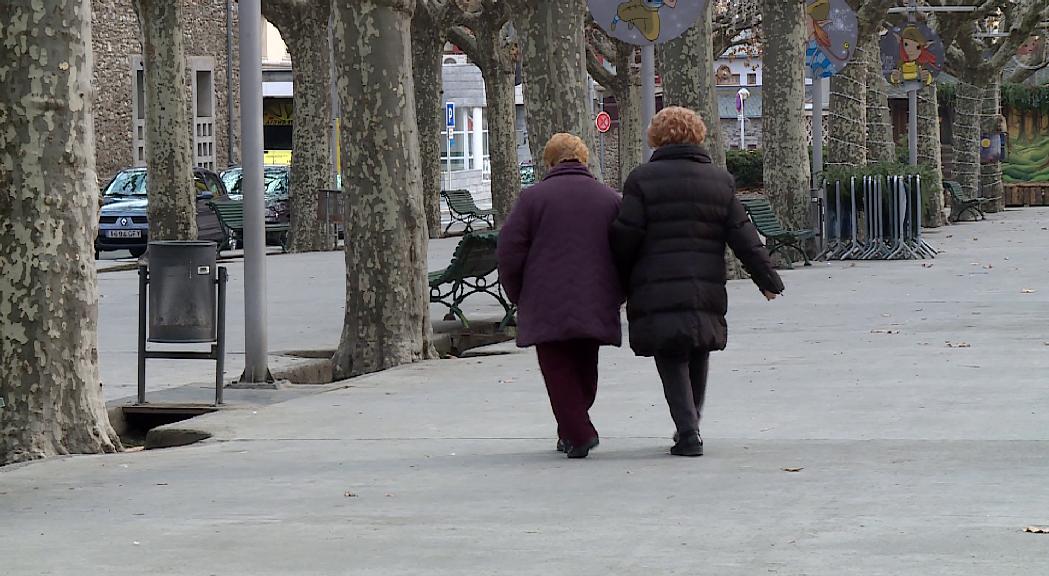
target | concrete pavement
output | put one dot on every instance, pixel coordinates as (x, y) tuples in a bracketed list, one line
[(909, 397), (306, 304)]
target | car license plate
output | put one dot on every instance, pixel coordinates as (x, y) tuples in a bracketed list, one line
[(124, 233)]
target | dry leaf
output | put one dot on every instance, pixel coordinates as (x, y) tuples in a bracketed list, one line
[(794, 469), (1027, 291), (959, 345), (885, 331), (350, 495), (1037, 529)]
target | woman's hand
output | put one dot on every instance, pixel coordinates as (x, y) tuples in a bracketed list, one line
[(770, 296)]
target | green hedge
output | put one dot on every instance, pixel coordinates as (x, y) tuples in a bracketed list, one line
[(747, 166), (882, 169)]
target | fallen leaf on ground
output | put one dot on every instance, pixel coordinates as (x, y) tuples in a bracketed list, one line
[(959, 345), (1037, 529), (885, 331), (794, 469), (1027, 291), (350, 495)]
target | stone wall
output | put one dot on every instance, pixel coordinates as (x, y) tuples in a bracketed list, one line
[(116, 38)]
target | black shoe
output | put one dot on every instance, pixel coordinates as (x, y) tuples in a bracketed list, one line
[(691, 445), (583, 449), (561, 444)]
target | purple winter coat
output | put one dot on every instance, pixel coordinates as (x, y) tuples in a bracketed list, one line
[(555, 261)]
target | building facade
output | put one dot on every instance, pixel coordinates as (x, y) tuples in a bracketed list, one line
[(211, 84)]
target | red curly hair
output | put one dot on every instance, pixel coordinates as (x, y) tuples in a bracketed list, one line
[(676, 125)]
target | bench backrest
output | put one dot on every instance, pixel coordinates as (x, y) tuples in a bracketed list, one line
[(461, 201), (764, 218), (474, 256), (956, 190), (230, 213)]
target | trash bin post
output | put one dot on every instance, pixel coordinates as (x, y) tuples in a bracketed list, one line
[(220, 346), (143, 283)]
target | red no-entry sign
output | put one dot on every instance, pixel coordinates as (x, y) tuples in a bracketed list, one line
[(603, 122)]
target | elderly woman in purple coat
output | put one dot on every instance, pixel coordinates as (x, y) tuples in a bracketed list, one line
[(555, 263)]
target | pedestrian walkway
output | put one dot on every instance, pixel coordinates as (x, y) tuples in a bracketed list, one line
[(306, 303), (882, 418)]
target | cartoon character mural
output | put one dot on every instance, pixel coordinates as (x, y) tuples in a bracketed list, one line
[(832, 36), (646, 22), (643, 15), (911, 55), (1032, 53)]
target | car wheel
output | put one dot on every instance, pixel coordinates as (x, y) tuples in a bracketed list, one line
[(137, 252)]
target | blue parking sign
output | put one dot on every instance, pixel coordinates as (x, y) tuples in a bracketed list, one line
[(450, 114)]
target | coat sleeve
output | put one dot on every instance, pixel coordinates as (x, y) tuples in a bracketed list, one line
[(628, 230), (515, 240), (743, 238)]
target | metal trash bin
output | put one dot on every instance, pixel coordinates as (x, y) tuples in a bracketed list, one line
[(182, 276)]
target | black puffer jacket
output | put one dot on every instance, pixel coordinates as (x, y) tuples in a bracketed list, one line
[(679, 211)]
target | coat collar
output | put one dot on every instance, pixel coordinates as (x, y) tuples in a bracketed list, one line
[(682, 152), (568, 169)]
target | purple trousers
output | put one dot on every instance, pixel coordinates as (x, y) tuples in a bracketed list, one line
[(569, 368)]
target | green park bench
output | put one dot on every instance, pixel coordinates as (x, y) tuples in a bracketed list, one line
[(777, 238), (473, 261), (962, 204), (463, 209), (231, 218)]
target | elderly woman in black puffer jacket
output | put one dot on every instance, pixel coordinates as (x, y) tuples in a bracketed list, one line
[(679, 211)]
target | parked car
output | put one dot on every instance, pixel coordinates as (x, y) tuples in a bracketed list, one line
[(123, 222), (276, 184)]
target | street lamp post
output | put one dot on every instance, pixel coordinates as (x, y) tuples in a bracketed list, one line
[(255, 309), (741, 103)]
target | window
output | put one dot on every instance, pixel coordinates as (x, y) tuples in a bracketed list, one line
[(455, 153), (725, 77), (138, 112), (752, 79), (203, 71)]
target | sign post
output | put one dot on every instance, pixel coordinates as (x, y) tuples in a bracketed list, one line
[(741, 104), (449, 114), (646, 23), (833, 32), (912, 56)]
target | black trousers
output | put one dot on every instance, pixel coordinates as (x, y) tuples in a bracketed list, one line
[(569, 368), (685, 387)]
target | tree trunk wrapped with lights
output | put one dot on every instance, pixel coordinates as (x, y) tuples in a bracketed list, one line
[(929, 156), (991, 123)]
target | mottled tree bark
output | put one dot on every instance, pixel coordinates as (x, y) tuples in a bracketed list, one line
[(688, 80), (847, 125), (497, 67), (557, 98), (966, 131), (784, 136), (172, 195), (428, 38), (991, 173), (387, 318), (302, 25), (930, 157), (628, 100), (880, 146), (488, 40), (48, 218)]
